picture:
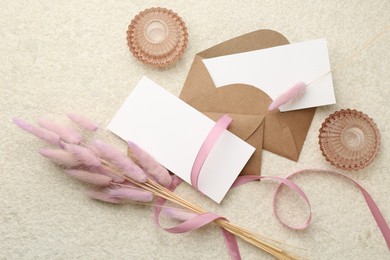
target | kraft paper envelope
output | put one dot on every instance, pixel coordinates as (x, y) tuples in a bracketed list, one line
[(280, 133)]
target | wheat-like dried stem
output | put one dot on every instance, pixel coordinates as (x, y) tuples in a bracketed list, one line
[(246, 235), (236, 230)]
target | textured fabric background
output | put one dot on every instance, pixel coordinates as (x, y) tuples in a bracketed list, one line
[(60, 56)]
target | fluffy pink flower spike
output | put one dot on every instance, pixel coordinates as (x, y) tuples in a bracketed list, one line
[(82, 121), (102, 196), (150, 165), (85, 155), (67, 134), (133, 194), (45, 135), (292, 93), (88, 177), (60, 157), (121, 161)]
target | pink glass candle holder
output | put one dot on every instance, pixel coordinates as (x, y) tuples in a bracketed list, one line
[(157, 36), (349, 139)]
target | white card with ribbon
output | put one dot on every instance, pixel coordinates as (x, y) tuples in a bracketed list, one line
[(173, 132)]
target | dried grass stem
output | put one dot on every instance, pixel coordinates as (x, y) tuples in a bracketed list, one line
[(162, 192)]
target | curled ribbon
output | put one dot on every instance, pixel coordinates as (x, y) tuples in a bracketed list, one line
[(197, 222), (230, 240), (376, 213)]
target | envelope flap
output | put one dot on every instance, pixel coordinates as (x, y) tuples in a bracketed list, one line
[(286, 132), (235, 99), (298, 123), (280, 139), (198, 82), (246, 104), (243, 125), (256, 40)]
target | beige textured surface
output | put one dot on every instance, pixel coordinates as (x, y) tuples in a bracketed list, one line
[(59, 56)]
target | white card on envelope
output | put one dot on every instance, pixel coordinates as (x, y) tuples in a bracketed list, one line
[(276, 69), (172, 132)]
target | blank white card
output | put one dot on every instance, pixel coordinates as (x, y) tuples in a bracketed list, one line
[(172, 132)]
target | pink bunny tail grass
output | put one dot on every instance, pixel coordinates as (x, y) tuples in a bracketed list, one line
[(60, 157), (130, 194), (150, 165), (121, 161), (82, 121), (43, 134), (179, 214), (88, 177), (104, 150), (107, 172), (85, 155), (102, 196), (67, 134), (291, 94), (94, 150)]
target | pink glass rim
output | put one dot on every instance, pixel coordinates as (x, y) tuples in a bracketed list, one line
[(332, 142), (158, 54)]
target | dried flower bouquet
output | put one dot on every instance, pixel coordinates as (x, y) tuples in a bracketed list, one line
[(120, 178)]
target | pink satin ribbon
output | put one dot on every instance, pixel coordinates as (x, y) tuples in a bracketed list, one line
[(220, 126), (241, 180), (197, 222), (230, 240), (376, 213)]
